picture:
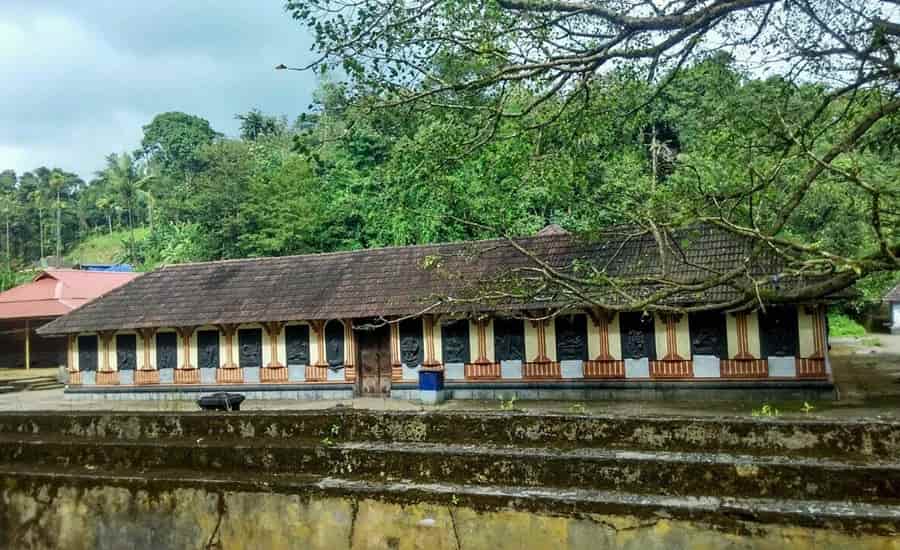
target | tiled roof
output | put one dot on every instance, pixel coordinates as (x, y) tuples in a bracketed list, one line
[(396, 280), (55, 292)]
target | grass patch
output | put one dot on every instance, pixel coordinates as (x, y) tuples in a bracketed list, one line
[(105, 248), (871, 342), (841, 325)]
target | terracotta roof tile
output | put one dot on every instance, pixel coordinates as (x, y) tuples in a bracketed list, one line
[(393, 281)]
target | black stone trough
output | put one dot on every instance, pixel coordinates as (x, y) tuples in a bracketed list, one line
[(221, 402)]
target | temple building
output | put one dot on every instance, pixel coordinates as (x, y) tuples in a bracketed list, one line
[(50, 294), (368, 322)]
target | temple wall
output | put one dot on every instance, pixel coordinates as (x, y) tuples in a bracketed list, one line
[(671, 362)]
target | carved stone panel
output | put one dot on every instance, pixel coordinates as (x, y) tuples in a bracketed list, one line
[(571, 338), (334, 343), (455, 341), (208, 349), (708, 333), (412, 350), (87, 353), (297, 344), (166, 350), (126, 351), (509, 339), (779, 332), (250, 347), (637, 336)]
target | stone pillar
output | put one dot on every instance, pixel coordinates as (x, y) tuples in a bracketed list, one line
[(229, 331), (186, 333), (396, 365), (540, 327), (428, 323), (319, 327), (147, 339), (273, 330), (105, 341), (742, 321), (671, 321), (70, 353)]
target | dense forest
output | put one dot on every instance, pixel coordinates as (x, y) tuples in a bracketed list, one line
[(344, 175)]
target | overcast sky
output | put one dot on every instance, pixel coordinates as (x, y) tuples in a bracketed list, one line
[(80, 77)]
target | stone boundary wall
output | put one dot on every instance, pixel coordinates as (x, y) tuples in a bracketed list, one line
[(868, 440)]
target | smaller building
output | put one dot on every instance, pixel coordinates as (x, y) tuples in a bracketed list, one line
[(51, 294), (893, 301)]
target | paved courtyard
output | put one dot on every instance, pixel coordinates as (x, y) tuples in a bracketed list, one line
[(867, 375)]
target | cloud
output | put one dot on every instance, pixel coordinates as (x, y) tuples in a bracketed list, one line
[(81, 78)]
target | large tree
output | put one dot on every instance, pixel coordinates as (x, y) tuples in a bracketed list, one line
[(823, 129), (174, 140)]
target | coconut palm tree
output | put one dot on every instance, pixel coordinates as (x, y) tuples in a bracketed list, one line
[(127, 182)]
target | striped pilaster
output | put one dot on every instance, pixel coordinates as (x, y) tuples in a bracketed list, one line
[(602, 321), (742, 322), (396, 365)]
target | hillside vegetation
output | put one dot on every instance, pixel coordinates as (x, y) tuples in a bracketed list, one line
[(105, 248)]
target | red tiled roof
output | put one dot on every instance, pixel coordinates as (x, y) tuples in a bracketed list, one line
[(56, 292)]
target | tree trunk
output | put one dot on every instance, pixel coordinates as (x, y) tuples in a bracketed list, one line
[(58, 229), (109, 222), (8, 256), (41, 218), (131, 229)]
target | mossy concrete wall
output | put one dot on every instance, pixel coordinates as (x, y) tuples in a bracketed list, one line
[(113, 517)]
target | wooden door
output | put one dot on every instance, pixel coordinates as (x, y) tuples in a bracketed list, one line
[(375, 362)]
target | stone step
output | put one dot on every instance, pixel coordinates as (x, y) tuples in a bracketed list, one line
[(730, 515), (48, 385), (7, 389), (653, 472), (844, 440)]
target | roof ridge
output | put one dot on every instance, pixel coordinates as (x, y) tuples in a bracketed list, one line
[(363, 250)]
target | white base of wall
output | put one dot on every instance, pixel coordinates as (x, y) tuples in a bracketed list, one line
[(251, 375), (166, 376), (207, 376), (637, 368), (707, 366), (410, 373), (454, 371), (511, 370), (782, 367), (335, 375), (571, 369), (126, 377), (296, 373)]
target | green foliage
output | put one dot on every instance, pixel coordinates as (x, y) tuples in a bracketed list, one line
[(766, 411), (173, 141), (841, 325), (105, 248), (507, 404), (171, 243), (345, 176)]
